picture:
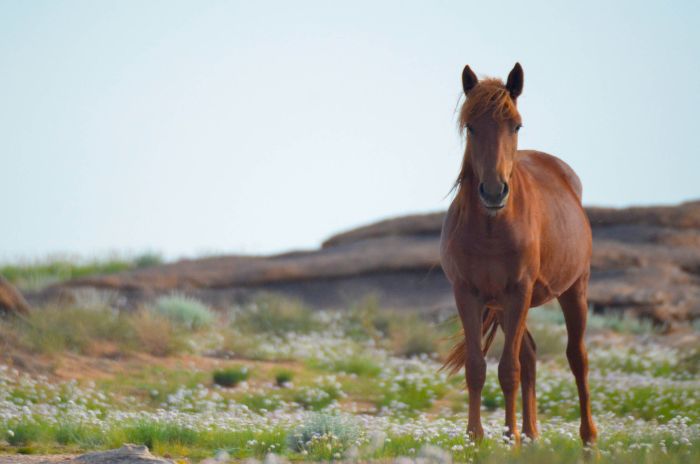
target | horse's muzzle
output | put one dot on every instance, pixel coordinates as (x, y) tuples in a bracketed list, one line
[(494, 199)]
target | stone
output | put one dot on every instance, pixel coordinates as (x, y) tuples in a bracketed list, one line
[(127, 454), (11, 300)]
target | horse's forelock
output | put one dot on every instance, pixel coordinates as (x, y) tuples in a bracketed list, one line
[(489, 95)]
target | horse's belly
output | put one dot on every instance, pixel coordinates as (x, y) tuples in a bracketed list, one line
[(542, 294)]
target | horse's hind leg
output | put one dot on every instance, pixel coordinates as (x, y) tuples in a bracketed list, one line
[(528, 373), (575, 306)]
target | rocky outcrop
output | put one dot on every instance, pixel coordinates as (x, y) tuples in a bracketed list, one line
[(127, 454), (11, 300), (646, 261)]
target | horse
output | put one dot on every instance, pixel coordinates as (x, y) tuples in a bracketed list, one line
[(515, 237)]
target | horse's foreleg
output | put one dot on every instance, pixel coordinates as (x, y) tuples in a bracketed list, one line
[(470, 313), (528, 375), (574, 304), (514, 315)]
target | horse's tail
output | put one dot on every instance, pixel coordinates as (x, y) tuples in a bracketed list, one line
[(458, 354)]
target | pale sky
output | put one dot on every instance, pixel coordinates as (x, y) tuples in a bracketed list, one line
[(256, 127)]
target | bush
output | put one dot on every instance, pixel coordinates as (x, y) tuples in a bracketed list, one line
[(157, 335), (185, 311), (275, 315), (366, 319), (323, 436), (282, 378), (148, 260), (23, 433), (623, 323), (54, 329), (230, 377)]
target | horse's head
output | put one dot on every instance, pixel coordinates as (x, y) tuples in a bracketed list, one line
[(491, 120)]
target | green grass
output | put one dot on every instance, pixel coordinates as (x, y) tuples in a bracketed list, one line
[(360, 366), (36, 275), (644, 391), (275, 315)]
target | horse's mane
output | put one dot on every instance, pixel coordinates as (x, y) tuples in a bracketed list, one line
[(489, 95)]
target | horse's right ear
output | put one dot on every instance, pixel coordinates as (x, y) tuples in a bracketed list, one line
[(469, 79)]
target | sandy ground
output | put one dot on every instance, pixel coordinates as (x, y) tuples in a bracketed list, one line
[(34, 459)]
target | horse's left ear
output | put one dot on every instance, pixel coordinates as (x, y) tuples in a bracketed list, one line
[(514, 85)]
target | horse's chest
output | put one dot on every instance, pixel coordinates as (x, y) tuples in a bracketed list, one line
[(491, 267)]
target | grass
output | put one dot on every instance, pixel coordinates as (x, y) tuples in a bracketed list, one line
[(275, 315), (37, 275), (92, 331), (328, 386)]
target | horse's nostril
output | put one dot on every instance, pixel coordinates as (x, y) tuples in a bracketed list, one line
[(482, 190)]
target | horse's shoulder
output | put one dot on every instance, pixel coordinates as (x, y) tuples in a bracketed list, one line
[(538, 161)]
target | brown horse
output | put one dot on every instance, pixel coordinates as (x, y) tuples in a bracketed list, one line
[(515, 237)]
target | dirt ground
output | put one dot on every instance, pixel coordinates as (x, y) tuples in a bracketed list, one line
[(34, 459)]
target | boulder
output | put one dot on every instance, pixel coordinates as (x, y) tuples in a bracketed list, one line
[(11, 300), (127, 454)]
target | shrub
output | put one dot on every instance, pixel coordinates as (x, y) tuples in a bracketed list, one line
[(24, 433), (240, 345), (318, 397), (282, 378), (413, 335), (157, 335), (231, 376), (186, 311), (148, 259), (323, 436), (366, 319), (623, 323), (54, 329), (275, 315)]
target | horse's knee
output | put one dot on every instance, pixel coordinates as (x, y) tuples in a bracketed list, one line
[(528, 354), (509, 374), (577, 356), (475, 370)]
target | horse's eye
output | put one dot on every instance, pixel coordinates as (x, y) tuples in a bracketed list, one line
[(470, 129), (517, 128)]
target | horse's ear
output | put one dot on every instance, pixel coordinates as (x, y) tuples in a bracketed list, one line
[(514, 85), (469, 79)]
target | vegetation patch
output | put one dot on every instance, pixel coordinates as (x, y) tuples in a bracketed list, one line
[(230, 377)]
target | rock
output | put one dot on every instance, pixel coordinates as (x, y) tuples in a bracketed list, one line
[(11, 300), (646, 262), (127, 454)]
